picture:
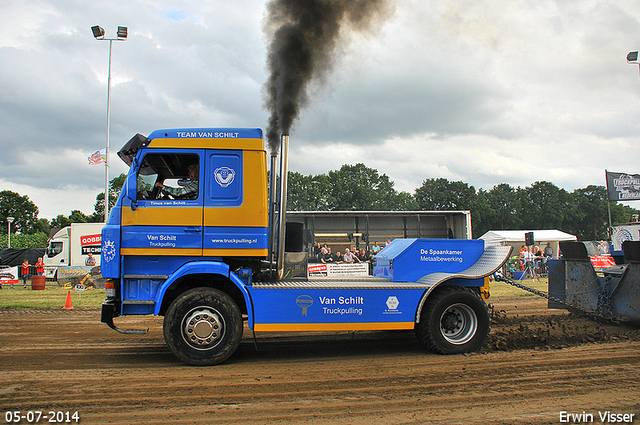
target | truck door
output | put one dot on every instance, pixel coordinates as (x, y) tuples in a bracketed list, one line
[(235, 203), (166, 204)]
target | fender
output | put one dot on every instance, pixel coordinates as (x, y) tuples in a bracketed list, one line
[(489, 262), (429, 291), (204, 267)]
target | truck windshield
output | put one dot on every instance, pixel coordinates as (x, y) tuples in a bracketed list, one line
[(54, 249)]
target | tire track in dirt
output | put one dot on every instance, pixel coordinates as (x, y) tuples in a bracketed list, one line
[(71, 362)]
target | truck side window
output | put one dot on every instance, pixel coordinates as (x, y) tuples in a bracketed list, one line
[(55, 248), (168, 176)]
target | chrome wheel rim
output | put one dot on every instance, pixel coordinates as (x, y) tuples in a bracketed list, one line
[(203, 328), (458, 324)]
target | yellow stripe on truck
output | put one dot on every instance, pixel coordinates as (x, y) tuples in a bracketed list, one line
[(204, 143), (154, 216), (305, 327), (162, 251)]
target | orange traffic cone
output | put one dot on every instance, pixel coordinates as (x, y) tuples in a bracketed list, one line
[(67, 304)]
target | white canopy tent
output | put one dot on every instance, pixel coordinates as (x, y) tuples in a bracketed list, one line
[(515, 238)]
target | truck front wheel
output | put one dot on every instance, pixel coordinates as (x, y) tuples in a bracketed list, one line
[(203, 326), (454, 320)]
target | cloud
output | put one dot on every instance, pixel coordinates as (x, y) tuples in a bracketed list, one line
[(508, 92)]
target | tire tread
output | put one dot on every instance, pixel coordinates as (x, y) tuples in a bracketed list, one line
[(425, 331)]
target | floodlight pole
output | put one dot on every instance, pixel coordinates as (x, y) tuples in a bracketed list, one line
[(98, 33), (9, 221), (106, 151)]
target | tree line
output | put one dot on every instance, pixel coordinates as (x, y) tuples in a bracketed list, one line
[(30, 231), (543, 205)]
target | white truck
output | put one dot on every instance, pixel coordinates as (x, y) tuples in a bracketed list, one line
[(71, 246)]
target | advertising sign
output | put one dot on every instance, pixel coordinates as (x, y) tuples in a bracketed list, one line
[(332, 270), (335, 309), (67, 273), (8, 275), (90, 244), (624, 232), (602, 261)]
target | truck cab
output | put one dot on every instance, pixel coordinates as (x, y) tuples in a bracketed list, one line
[(193, 237), (57, 253)]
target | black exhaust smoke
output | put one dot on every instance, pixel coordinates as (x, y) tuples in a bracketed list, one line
[(303, 37)]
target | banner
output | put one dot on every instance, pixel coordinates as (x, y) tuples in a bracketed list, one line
[(67, 273), (623, 187), (90, 244), (98, 157), (342, 270), (8, 275), (602, 261)]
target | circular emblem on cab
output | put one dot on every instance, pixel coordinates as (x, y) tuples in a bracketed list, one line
[(224, 176)]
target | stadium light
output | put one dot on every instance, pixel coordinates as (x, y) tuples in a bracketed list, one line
[(99, 34)]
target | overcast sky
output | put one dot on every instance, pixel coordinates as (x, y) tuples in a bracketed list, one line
[(507, 91)]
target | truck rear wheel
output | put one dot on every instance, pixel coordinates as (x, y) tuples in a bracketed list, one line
[(453, 320), (203, 326)]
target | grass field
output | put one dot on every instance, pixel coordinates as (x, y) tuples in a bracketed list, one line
[(54, 297)]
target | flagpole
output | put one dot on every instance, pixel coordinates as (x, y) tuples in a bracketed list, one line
[(606, 179)]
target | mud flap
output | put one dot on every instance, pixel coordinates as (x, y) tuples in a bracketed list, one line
[(108, 311)]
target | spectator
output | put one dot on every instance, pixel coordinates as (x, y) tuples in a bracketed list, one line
[(528, 258), (25, 272), (375, 248), (328, 256), (603, 248), (349, 257), (538, 259), (322, 255), (317, 250), (338, 259), (40, 267), (364, 255), (548, 251), (388, 242), (90, 261)]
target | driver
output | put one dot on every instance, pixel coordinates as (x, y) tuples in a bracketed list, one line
[(189, 191)]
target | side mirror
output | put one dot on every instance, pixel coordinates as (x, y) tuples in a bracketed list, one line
[(632, 57), (131, 185)]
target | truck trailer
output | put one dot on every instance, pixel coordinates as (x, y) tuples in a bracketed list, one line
[(71, 246), (198, 236)]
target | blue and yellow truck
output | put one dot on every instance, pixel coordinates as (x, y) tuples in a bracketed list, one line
[(198, 236)]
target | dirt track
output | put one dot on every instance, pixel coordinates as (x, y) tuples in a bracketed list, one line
[(535, 364)]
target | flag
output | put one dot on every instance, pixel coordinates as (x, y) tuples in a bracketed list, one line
[(98, 157), (622, 186)]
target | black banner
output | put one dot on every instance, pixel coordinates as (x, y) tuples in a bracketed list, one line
[(622, 186), (86, 250)]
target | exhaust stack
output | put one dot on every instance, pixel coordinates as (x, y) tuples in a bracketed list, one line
[(273, 205), (278, 208), (282, 207)]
